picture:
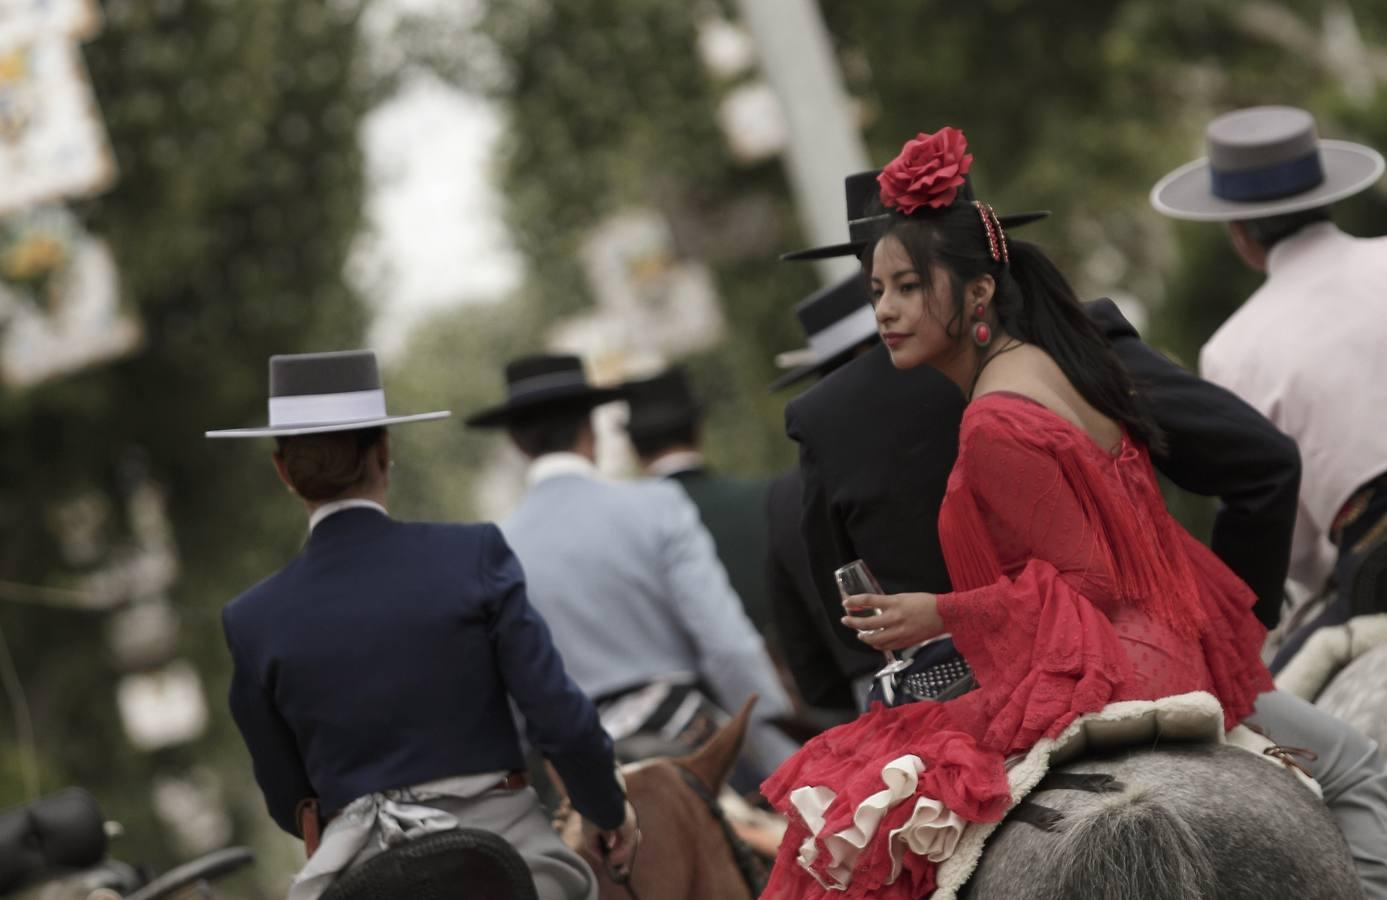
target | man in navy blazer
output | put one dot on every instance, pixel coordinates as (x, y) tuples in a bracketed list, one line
[(336, 639), (373, 674)]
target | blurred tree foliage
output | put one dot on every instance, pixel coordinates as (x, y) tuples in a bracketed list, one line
[(609, 108), (234, 124)]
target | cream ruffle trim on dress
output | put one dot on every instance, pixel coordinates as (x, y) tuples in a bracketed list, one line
[(943, 837), (932, 831)]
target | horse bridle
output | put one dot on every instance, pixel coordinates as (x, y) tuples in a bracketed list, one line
[(749, 865), (1047, 819)]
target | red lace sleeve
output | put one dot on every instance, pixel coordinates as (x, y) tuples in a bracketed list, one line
[(1030, 486)]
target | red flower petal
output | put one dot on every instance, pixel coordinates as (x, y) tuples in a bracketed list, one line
[(928, 171)]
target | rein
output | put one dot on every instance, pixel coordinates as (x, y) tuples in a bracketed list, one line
[(748, 863), (624, 880)]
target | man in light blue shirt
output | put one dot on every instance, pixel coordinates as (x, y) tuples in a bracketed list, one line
[(626, 575)]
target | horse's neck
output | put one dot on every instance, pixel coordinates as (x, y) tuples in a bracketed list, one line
[(716, 873), (689, 853)]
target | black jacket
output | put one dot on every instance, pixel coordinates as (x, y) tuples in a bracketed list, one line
[(822, 667), (877, 444)]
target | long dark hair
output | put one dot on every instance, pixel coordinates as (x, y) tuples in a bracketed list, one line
[(1034, 303)]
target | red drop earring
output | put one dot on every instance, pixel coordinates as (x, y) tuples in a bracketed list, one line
[(982, 334)]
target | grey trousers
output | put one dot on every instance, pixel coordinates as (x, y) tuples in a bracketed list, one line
[(1351, 773), (517, 816)]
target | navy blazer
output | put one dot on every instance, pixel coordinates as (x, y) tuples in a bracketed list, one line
[(876, 446), (383, 656)]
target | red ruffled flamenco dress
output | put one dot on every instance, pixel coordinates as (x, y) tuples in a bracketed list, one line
[(1074, 588)]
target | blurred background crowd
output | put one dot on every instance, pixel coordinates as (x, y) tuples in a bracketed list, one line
[(188, 186)]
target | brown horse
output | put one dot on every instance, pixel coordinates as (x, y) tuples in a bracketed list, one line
[(688, 851)]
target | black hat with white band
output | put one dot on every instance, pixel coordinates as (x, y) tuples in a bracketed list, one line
[(315, 393), (536, 383), (1265, 161), (861, 191), (836, 320)]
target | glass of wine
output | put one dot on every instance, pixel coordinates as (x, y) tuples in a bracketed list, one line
[(856, 578)]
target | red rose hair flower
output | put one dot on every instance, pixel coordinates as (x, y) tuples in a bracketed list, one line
[(928, 171)]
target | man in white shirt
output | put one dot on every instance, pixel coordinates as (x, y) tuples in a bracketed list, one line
[(1309, 348), (628, 579)]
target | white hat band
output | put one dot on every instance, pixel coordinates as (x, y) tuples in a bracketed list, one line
[(312, 409), (845, 333)]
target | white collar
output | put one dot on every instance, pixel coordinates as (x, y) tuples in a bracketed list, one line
[(674, 463), (552, 465), (1287, 250), (337, 506)]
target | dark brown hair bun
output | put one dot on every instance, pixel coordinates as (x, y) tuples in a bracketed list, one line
[(323, 467)]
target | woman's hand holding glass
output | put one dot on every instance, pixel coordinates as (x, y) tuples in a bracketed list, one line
[(901, 621)]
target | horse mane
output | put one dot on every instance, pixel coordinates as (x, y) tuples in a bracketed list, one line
[(1194, 822), (1136, 847)]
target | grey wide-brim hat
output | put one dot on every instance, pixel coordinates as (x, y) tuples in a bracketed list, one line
[(1265, 161), (316, 393)]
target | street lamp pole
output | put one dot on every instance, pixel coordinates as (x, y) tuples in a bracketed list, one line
[(824, 141)]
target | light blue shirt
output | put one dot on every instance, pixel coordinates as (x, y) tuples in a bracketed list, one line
[(630, 583)]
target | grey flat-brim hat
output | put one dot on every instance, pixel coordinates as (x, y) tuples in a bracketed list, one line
[(316, 393), (1265, 161)]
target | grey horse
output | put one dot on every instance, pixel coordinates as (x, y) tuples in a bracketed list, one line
[(1183, 822), (1358, 694)]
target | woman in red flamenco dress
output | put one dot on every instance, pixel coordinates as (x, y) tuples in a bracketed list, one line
[(1073, 586)]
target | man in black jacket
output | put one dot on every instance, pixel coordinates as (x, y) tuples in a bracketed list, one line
[(839, 325)]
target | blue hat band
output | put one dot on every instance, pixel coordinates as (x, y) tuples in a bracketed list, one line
[(1269, 182)]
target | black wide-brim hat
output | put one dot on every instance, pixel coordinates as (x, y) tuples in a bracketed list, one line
[(536, 384), (1265, 161), (837, 320), (661, 403), (318, 393), (861, 191)]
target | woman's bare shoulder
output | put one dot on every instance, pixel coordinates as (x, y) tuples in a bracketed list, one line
[(1026, 370), (1031, 372)]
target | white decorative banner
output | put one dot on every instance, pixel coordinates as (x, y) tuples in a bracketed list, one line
[(22, 21), (649, 300), (52, 138), (59, 299), (163, 707)]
